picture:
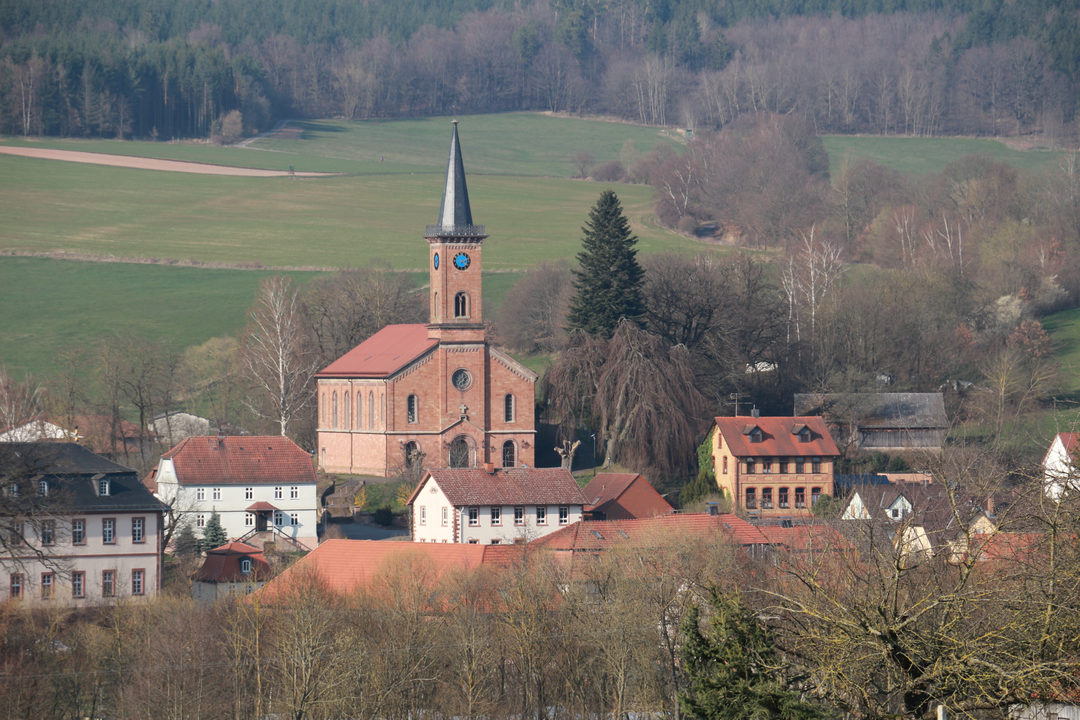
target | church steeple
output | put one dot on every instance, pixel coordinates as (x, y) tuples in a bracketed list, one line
[(455, 250)]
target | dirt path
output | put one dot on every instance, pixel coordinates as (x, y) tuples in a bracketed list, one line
[(127, 161)]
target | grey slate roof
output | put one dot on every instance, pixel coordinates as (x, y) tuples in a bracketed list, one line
[(72, 473), (885, 410), (455, 214)]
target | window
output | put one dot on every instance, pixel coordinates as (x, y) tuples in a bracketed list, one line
[(249, 519), (103, 488), (751, 499), (496, 541), (347, 415), (15, 531), (783, 466), (108, 531), (200, 520), (413, 409), (108, 583), (749, 466), (245, 566), (46, 585), (782, 498), (138, 530), (333, 410), (496, 516), (48, 532), (16, 585), (461, 305), (78, 584), (815, 465), (472, 541), (217, 493), (359, 410), (766, 498), (519, 516), (277, 493), (815, 493), (766, 465), (423, 515), (895, 513), (800, 466), (474, 516), (279, 518), (564, 515), (200, 493), (445, 517), (137, 582), (804, 435), (755, 435), (508, 409), (509, 454), (13, 490), (800, 497), (295, 517), (541, 515), (294, 492), (43, 488), (78, 532), (249, 493), (371, 410), (725, 464)]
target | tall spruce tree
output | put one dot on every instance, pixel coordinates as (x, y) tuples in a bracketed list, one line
[(185, 544), (213, 534), (734, 670), (608, 284)]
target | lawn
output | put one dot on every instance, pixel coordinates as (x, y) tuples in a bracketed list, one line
[(918, 156)]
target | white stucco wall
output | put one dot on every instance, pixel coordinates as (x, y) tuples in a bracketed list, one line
[(1058, 470)]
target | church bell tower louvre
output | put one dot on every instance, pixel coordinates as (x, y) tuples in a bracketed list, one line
[(455, 249)]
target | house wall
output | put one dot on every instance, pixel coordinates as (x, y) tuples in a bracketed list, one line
[(92, 558), (1058, 470), (735, 481)]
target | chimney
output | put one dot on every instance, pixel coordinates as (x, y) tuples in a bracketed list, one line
[(990, 506), (755, 413), (489, 468), (712, 508)]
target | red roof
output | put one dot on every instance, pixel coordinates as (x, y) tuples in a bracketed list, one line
[(591, 535), (223, 564), (510, 486), (263, 506), (345, 565), (382, 354), (778, 436), (240, 460), (816, 537), (608, 494)]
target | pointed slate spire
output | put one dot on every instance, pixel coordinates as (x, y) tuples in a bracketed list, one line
[(455, 215)]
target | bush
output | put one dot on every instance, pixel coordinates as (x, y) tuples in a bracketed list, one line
[(687, 225), (383, 516), (609, 172)]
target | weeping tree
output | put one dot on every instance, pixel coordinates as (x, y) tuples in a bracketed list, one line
[(637, 392)]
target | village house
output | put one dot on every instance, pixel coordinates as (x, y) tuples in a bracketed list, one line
[(232, 570), (1060, 469), (773, 466), (623, 496), (79, 528), (262, 487), (880, 421), (436, 394), (493, 505)]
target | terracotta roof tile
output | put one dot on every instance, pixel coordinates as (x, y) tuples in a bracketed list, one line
[(382, 354), (592, 535), (777, 438), (607, 493), (222, 564), (513, 486), (240, 460)]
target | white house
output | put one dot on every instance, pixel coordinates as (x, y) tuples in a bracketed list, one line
[(1060, 469), (79, 529), (491, 506), (33, 430), (263, 487)]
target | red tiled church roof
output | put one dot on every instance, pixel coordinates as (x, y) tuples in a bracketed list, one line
[(240, 460), (382, 354), (777, 436), (511, 486)]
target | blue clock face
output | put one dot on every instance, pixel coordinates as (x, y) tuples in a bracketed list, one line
[(436, 261), (461, 261)]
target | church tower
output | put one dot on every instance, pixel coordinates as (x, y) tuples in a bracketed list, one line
[(432, 395), (455, 249)]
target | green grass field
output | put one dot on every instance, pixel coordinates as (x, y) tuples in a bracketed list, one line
[(918, 156)]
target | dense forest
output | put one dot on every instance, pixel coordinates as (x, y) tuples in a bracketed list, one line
[(154, 69)]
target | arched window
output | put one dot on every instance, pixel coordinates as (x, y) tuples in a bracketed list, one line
[(413, 409), (334, 406), (461, 305), (508, 408), (348, 414), (359, 410), (323, 410), (435, 307), (460, 453), (509, 453), (371, 411)]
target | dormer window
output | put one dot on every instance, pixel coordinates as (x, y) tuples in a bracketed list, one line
[(804, 435), (245, 566), (103, 487), (755, 435)]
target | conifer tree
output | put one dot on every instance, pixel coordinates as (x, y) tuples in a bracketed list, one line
[(608, 284), (185, 544), (213, 534), (734, 669)]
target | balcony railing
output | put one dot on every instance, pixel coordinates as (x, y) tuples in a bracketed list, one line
[(455, 231)]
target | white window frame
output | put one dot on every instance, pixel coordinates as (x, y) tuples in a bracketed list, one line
[(200, 493), (138, 581), (138, 530), (249, 519), (564, 515), (496, 516), (423, 515), (519, 516), (217, 493), (474, 516), (108, 531), (249, 493), (294, 492), (278, 491), (78, 532), (541, 514), (200, 520), (445, 516), (295, 518)]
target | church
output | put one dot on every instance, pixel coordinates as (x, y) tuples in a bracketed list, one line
[(434, 395)]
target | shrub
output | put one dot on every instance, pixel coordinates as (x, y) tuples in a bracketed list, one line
[(609, 172), (383, 516)]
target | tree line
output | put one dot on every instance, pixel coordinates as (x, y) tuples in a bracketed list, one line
[(151, 69)]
